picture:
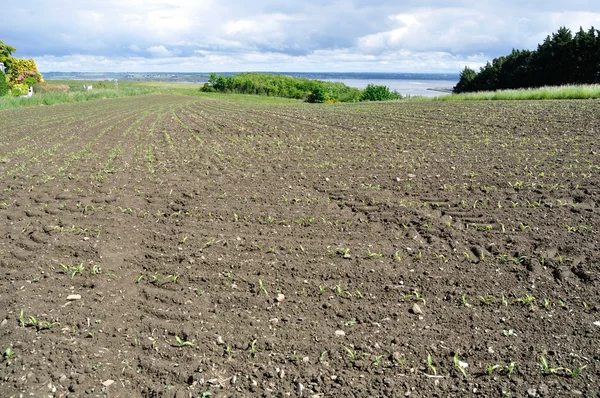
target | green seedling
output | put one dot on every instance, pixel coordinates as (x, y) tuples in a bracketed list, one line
[(341, 291), (183, 343), (228, 350), (464, 300), (350, 323), (377, 361), (182, 240), (351, 353), (509, 332), (22, 319), (460, 366), (529, 299), (371, 254), (546, 303), (8, 354), (322, 289), (72, 270), (139, 278), (397, 256), (253, 348), (576, 372), (343, 251), (546, 369), (415, 295), (506, 370), (261, 288), (430, 364), (322, 356), (95, 269), (41, 325)]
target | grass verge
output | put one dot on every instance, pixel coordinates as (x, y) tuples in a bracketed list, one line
[(580, 91)]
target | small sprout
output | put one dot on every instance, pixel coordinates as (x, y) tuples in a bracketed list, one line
[(460, 366), (8, 353), (253, 348), (22, 319), (182, 240), (322, 289), (350, 323), (509, 332), (371, 254), (464, 300), (430, 364), (261, 288), (41, 325), (183, 343), (139, 278), (343, 251), (576, 372), (490, 368), (95, 269), (377, 361), (351, 353), (397, 256), (322, 356), (546, 369), (546, 303)]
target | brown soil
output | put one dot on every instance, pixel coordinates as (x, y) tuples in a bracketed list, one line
[(299, 250)]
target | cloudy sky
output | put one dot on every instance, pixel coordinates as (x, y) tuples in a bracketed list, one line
[(281, 35)]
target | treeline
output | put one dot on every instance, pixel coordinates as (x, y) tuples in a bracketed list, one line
[(294, 87), (562, 58)]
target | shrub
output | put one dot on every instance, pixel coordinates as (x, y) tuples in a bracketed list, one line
[(4, 87), (378, 93), (19, 89)]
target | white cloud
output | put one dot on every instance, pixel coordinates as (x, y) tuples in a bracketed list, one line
[(160, 51), (205, 35)]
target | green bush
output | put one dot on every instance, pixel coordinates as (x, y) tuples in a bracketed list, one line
[(378, 93), (282, 86), (4, 87)]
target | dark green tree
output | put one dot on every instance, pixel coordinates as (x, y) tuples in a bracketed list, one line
[(465, 80)]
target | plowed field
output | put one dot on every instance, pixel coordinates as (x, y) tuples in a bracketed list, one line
[(172, 246)]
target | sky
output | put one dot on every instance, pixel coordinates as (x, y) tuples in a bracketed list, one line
[(426, 36)]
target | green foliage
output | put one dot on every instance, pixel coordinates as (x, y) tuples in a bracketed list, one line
[(6, 52), (19, 71), (4, 87), (561, 59), (19, 89), (378, 93), (466, 78), (282, 86)]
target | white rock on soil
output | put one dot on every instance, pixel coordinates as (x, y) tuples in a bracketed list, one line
[(340, 333), (73, 297)]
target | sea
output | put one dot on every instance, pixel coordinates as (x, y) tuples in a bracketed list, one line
[(407, 84)]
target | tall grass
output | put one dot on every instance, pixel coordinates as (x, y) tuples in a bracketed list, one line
[(580, 91), (52, 98)]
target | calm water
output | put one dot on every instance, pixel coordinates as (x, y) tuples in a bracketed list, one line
[(406, 87)]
